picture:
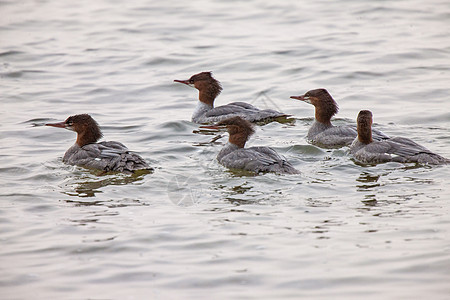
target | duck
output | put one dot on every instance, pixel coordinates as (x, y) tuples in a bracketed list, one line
[(107, 156), (205, 113), (322, 132), (234, 155), (396, 149)]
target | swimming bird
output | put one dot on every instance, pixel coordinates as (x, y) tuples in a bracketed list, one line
[(209, 88), (105, 156), (397, 149), (256, 159), (323, 132)]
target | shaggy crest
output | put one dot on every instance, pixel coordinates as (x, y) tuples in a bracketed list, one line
[(208, 86), (239, 130)]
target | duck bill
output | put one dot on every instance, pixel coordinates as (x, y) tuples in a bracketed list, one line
[(302, 98), (217, 127), (60, 124), (186, 82)]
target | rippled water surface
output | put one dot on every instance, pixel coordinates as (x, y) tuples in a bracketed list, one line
[(192, 229)]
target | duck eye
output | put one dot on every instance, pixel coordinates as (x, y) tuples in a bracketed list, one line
[(69, 123)]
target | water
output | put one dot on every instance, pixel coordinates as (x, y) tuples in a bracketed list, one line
[(192, 229)]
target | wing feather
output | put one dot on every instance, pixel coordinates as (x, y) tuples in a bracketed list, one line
[(106, 156)]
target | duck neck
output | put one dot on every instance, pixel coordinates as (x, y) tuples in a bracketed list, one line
[(206, 97), (239, 139), (365, 132), (324, 116), (88, 137)]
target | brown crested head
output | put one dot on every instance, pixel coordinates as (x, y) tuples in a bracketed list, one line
[(209, 87), (325, 105), (364, 126), (239, 130), (86, 127)]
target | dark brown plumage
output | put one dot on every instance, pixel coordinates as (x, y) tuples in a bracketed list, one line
[(87, 129), (364, 126), (209, 88), (323, 112), (239, 130)]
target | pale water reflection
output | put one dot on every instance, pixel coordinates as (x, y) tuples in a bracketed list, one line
[(192, 228)]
